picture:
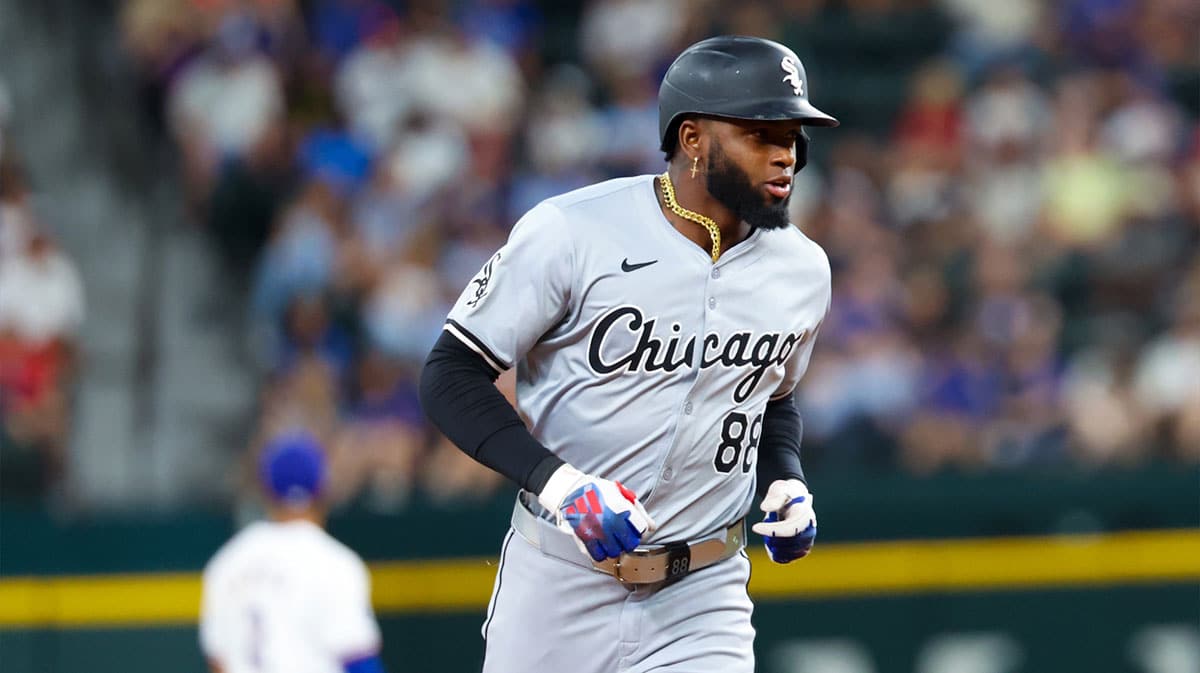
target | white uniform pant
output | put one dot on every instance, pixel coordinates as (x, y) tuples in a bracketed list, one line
[(550, 615)]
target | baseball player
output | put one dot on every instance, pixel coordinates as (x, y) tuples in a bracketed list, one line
[(659, 325), (283, 596)]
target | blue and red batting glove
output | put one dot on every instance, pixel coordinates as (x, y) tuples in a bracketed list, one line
[(603, 516), (790, 526), (605, 533)]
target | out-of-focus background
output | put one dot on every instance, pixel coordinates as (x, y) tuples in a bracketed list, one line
[(224, 218)]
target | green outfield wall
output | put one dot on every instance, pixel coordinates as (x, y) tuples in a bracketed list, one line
[(999, 573)]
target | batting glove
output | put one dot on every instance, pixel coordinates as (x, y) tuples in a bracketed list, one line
[(790, 527), (604, 517)]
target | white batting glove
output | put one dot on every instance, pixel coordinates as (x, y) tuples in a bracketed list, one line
[(603, 516), (790, 527)]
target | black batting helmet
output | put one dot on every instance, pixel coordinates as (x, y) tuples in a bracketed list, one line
[(738, 77)]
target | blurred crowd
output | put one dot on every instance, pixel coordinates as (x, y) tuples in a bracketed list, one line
[(1011, 206), (41, 309)]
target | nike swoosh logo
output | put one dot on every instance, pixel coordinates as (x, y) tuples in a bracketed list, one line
[(627, 267)]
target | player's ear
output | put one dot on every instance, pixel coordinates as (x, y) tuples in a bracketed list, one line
[(691, 137)]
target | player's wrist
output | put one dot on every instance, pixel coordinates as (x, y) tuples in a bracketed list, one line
[(792, 482), (540, 475), (564, 480)]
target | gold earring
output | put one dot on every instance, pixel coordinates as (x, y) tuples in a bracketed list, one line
[(695, 169)]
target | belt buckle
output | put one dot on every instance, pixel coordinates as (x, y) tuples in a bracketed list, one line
[(617, 563), (617, 570)]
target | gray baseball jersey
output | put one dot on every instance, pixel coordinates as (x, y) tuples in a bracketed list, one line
[(639, 359)]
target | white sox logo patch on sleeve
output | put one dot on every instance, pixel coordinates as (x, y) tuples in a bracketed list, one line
[(481, 283), (793, 75)]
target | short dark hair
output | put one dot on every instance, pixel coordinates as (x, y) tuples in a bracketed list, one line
[(671, 141)]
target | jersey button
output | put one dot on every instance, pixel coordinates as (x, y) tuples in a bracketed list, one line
[(712, 302), (667, 474), (687, 408), (716, 273)]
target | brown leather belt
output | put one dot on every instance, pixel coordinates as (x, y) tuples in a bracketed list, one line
[(644, 565)]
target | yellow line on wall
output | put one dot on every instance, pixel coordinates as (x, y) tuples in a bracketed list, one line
[(832, 571), (941, 566), (103, 600)]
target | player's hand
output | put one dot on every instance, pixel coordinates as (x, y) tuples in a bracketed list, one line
[(790, 527), (604, 517)]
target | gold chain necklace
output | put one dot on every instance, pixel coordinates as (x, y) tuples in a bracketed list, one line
[(668, 191)]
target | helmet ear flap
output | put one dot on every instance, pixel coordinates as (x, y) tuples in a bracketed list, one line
[(802, 151)]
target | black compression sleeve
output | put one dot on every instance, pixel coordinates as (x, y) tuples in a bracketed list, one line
[(459, 395), (779, 447)]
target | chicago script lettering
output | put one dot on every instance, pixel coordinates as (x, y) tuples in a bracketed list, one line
[(651, 352)]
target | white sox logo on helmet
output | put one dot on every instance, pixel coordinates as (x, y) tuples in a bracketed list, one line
[(793, 75)]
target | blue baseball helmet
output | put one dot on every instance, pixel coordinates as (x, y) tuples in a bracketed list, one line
[(292, 469)]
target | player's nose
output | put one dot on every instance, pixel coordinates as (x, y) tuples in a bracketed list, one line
[(783, 157)]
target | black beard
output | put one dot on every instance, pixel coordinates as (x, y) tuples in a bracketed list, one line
[(729, 184)]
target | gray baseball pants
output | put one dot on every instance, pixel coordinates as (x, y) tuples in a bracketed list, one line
[(548, 614)]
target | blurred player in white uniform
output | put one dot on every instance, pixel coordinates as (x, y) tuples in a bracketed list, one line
[(283, 596), (659, 325)]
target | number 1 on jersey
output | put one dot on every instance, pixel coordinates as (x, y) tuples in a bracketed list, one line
[(256, 638), (739, 442)]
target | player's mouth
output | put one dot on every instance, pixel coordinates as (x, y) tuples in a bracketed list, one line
[(779, 187)]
